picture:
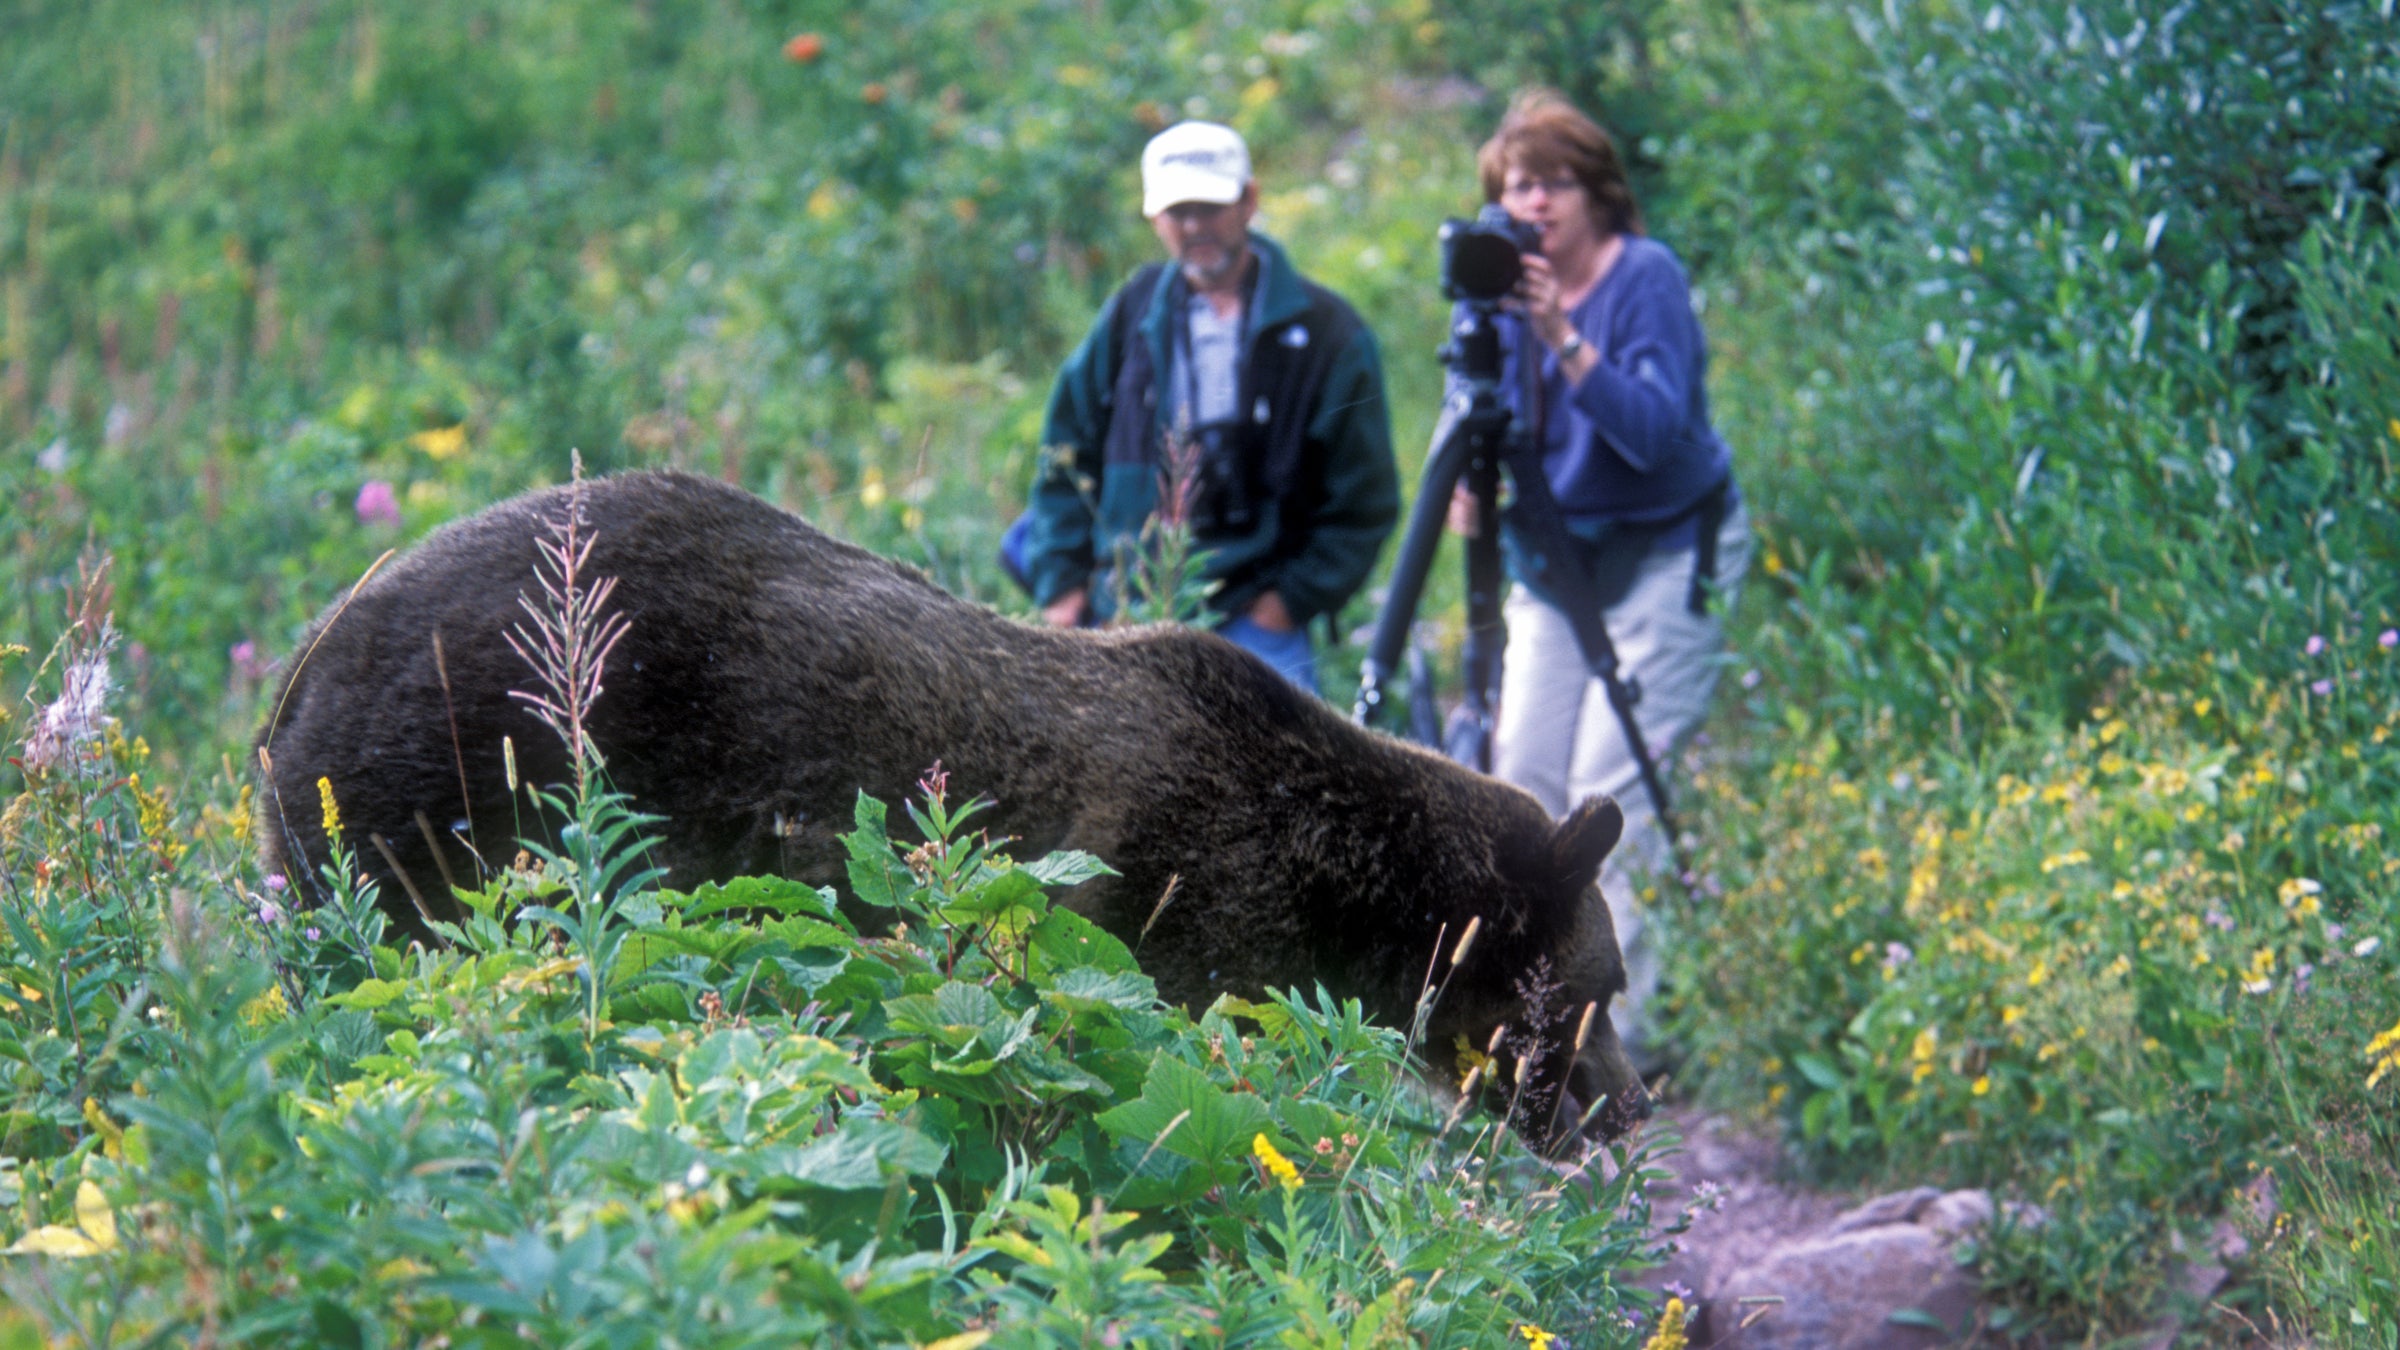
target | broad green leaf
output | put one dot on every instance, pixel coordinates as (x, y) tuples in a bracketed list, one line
[(369, 994), (1068, 867), (1216, 1126), (1085, 989), (776, 895), (1066, 940)]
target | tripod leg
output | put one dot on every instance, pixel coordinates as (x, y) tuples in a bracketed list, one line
[(1451, 452)]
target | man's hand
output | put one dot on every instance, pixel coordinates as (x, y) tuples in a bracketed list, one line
[(1067, 610), (1268, 612)]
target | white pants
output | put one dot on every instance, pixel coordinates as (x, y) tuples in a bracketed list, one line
[(1559, 740)]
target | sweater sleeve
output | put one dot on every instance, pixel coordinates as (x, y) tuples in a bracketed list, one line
[(1639, 397)]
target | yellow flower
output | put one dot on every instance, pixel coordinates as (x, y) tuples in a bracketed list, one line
[(266, 1008), (1670, 1333), (2010, 1014), (2069, 858), (333, 813), (1470, 1059), (2384, 1054), (441, 442), (1277, 1165), (1535, 1337), (1983, 1084)]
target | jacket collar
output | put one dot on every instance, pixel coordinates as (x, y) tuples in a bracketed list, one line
[(1277, 298)]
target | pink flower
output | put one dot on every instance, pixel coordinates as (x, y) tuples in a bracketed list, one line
[(2316, 644), (244, 655), (2320, 687), (377, 505), (2388, 638), (275, 881)]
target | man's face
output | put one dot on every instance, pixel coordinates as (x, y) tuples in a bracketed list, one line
[(1208, 240)]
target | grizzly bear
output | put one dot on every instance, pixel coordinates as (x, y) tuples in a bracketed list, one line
[(769, 674)]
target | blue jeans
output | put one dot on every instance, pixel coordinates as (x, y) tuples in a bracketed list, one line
[(1290, 655)]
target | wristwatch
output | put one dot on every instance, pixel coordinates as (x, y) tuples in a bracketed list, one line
[(1572, 345)]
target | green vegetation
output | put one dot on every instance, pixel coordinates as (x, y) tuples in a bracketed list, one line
[(2043, 836)]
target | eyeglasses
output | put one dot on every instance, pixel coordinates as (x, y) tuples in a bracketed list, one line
[(1520, 189)]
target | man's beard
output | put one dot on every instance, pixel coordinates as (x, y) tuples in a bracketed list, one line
[(1207, 275)]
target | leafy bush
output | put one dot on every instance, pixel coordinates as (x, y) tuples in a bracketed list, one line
[(605, 1112)]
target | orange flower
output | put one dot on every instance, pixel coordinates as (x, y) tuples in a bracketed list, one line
[(875, 91), (803, 48)]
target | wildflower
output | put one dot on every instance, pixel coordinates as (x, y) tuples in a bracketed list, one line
[(2388, 638), (2010, 1014), (333, 813), (1535, 1337), (803, 48), (2260, 977), (2200, 708), (1896, 955), (2320, 688), (275, 881), (2217, 919), (76, 717), (2069, 858), (1277, 1165), (1983, 1084), (441, 442), (2315, 645), (376, 504), (2384, 1053), (1670, 1333), (244, 656), (2366, 946), (268, 1007)]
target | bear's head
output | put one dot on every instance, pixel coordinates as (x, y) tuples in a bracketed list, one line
[(1528, 998)]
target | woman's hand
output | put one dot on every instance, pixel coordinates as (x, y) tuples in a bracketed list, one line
[(1541, 302)]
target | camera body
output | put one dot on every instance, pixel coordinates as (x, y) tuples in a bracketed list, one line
[(1482, 258)]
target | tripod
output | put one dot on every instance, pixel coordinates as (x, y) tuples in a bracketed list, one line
[(1475, 439)]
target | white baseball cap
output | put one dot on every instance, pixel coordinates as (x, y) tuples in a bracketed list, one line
[(1193, 162)]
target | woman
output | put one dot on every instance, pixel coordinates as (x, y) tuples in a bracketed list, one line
[(1604, 364)]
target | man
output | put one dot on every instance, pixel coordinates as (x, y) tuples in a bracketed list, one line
[(1224, 391)]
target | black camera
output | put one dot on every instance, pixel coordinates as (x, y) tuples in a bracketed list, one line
[(1483, 258)]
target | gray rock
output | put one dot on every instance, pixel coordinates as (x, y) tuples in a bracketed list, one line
[(1839, 1288)]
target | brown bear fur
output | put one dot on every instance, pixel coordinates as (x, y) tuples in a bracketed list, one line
[(771, 673)]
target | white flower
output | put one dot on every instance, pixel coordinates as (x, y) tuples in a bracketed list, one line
[(76, 717), (2366, 946)]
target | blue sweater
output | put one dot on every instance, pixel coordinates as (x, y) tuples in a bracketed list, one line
[(1632, 443)]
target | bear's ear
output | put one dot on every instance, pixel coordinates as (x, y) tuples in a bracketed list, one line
[(1582, 841)]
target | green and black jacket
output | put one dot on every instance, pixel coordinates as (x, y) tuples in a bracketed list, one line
[(1315, 422)]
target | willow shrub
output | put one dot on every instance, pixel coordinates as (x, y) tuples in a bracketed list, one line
[(2052, 852)]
